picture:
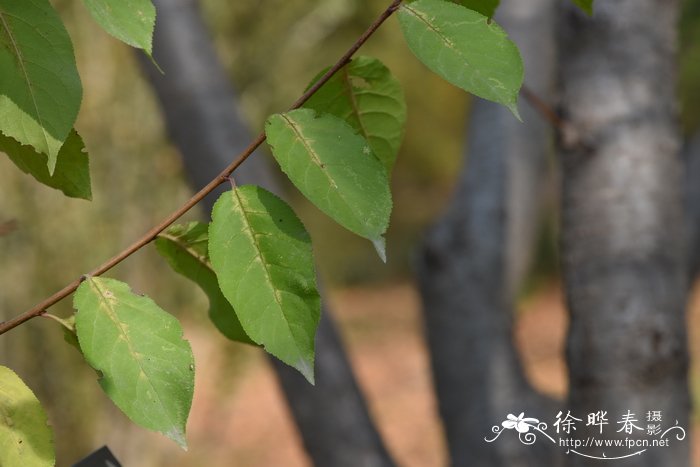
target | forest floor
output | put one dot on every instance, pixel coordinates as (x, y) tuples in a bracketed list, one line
[(242, 420)]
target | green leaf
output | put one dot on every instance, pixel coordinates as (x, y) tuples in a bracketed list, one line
[(485, 7), (40, 89), (186, 248), (25, 437), (147, 367), (72, 173), (130, 21), (334, 167), (370, 99), (262, 257), (69, 334), (465, 49), (585, 5)]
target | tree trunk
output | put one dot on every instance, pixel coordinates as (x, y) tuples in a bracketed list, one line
[(623, 257), (199, 106), (691, 160), (473, 260)]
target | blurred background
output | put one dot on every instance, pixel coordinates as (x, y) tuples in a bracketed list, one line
[(271, 49)]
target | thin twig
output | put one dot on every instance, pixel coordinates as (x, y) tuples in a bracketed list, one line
[(149, 236), (544, 109)]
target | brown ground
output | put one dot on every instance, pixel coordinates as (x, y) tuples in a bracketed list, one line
[(241, 419)]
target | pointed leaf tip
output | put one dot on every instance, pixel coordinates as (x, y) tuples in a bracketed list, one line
[(464, 48), (138, 348), (262, 257), (306, 368), (380, 247), (334, 167), (130, 21), (513, 107)]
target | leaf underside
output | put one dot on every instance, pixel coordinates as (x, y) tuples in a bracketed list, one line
[(366, 95), (147, 367), (262, 256), (72, 173), (186, 248)]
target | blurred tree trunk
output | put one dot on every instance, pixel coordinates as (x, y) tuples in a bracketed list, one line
[(623, 258), (691, 159), (199, 107), (474, 258)]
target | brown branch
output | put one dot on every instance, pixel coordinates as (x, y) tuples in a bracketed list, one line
[(149, 236), (544, 109)]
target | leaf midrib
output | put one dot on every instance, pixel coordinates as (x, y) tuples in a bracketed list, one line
[(202, 260), (258, 252), (314, 156), (20, 57), (450, 45), (111, 313), (347, 85)]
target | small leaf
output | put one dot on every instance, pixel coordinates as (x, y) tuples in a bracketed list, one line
[(370, 99), (147, 367), (25, 436), (40, 89), (585, 5), (334, 167), (465, 49), (72, 173), (130, 21), (485, 7), (262, 257), (69, 334), (186, 248)]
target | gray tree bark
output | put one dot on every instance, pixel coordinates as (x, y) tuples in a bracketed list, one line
[(475, 256), (199, 107), (691, 160), (623, 233)]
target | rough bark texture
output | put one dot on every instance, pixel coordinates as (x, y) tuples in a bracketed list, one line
[(472, 260), (623, 258), (199, 106)]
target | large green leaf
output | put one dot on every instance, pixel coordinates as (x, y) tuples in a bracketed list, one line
[(25, 437), (130, 21), (585, 5), (485, 7), (186, 248), (147, 367), (464, 48), (40, 89), (335, 168), (72, 173), (370, 99), (262, 257)]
